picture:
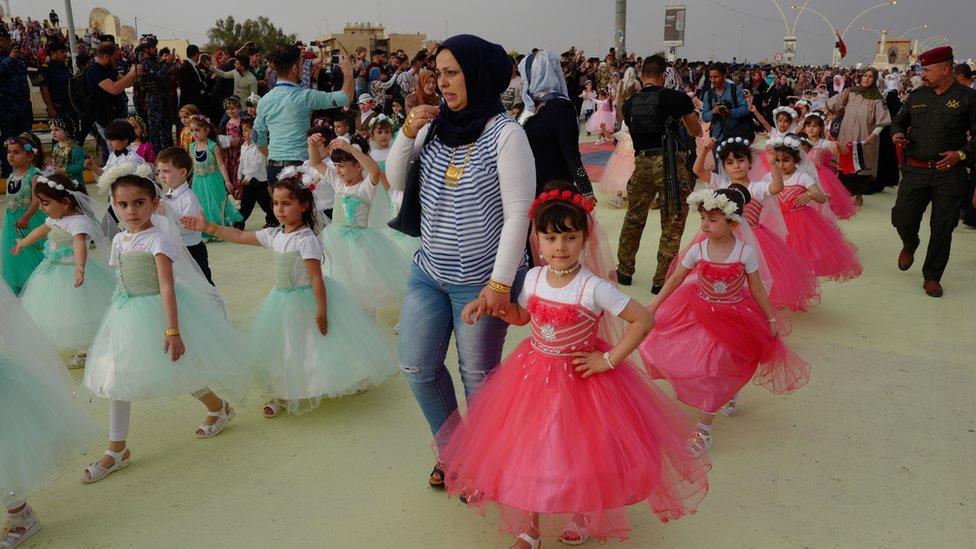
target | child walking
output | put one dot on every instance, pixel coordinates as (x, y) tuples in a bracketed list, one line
[(812, 235), (840, 200), (42, 428), (712, 337), (252, 172), (66, 155), (232, 152), (310, 339), (794, 284), (603, 119), (69, 291), (211, 183), (21, 211), (160, 295), (565, 434), (173, 168)]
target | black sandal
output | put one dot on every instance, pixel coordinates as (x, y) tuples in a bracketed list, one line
[(438, 481)]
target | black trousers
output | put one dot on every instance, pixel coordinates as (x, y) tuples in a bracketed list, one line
[(256, 192), (945, 190), (199, 254), (855, 183), (968, 212)]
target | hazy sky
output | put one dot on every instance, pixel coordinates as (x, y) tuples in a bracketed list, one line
[(715, 28)]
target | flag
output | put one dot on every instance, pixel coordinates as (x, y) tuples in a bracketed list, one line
[(852, 161), (840, 45)]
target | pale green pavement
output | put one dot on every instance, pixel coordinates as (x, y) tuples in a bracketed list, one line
[(877, 451)]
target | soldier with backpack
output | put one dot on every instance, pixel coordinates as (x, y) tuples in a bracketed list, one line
[(650, 114)]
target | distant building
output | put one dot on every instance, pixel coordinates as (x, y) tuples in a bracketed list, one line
[(372, 37)]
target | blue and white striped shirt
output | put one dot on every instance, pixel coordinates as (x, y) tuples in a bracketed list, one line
[(475, 230)]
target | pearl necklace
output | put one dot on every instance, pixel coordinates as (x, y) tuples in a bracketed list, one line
[(559, 272)]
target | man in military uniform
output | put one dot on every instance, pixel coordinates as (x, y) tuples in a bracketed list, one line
[(54, 79), (16, 114), (647, 113), (932, 125), (154, 84)]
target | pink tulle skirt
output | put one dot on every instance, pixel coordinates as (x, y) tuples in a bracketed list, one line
[(821, 244), (618, 170), (841, 202), (709, 351), (795, 286), (607, 118), (540, 439)]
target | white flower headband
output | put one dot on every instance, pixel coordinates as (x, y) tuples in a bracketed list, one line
[(710, 200), (379, 118), (818, 115), (731, 140), (53, 184), (305, 179), (788, 110), (804, 102), (789, 141), (123, 169)]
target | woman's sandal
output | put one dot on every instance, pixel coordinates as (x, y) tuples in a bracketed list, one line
[(96, 472), (534, 542), (436, 479), (574, 534), (273, 409), (224, 415)]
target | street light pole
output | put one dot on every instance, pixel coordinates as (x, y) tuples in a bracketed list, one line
[(789, 40), (620, 30), (841, 35), (915, 28), (72, 43)]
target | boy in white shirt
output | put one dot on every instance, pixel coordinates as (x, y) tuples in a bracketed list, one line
[(173, 167), (252, 171), (119, 134)]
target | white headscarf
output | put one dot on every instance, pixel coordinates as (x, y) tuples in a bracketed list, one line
[(542, 79), (630, 79)]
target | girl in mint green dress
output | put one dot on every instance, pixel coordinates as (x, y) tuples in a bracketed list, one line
[(21, 212), (210, 183)]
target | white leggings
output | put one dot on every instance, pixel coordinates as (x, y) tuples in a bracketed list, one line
[(119, 413)]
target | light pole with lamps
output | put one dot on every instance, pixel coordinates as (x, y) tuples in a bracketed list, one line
[(840, 35), (915, 28), (789, 39)]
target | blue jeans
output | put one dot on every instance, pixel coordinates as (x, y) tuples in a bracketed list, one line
[(431, 312)]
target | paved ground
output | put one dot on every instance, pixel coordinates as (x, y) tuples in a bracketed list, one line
[(877, 451)]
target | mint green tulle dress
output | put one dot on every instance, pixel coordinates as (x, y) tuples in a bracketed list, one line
[(126, 360), (17, 269), (208, 185), (68, 316), (41, 428), (291, 359)]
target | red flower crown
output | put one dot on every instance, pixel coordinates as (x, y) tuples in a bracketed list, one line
[(562, 196)]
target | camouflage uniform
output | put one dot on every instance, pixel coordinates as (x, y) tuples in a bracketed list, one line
[(646, 183), (16, 114), (155, 84)]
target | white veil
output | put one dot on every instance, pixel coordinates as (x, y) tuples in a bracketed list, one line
[(90, 209), (186, 271)]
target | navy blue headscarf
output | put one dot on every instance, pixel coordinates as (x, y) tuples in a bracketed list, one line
[(487, 73)]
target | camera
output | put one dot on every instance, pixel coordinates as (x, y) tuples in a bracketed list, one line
[(723, 108), (335, 57), (149, 40)]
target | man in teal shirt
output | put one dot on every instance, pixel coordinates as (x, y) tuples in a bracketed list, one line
[(285, 112)]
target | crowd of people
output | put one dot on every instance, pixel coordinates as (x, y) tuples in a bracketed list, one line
[(397, 192)]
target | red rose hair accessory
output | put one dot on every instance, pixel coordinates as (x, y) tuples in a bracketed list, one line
[(562, 196)]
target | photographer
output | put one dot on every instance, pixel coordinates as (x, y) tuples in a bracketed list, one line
[(725, 107), (107, 89)]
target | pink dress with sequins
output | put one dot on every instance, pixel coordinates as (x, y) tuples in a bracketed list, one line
[(711, 338), (538, 438)]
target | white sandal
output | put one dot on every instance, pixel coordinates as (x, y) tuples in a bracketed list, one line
[(24, 519), (534, 543), (275, 406), (96, 472), (574, 528), (729, 409), (76, 362), (699, 444), (224, 415)]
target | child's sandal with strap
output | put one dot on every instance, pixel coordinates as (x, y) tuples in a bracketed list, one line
[(224, 415), (96, 472), (20, 526)]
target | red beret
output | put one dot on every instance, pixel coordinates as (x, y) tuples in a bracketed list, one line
[(935, 55)]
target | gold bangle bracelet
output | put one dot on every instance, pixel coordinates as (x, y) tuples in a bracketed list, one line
[(171, 332), (408, 129), (499, 287), (212, 229)]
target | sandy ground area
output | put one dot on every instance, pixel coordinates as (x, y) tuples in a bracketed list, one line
[(877, 451)]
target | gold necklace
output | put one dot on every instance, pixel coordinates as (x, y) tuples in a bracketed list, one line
[(452, 177)]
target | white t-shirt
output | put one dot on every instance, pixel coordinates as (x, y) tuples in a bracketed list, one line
[(802, 179), (324, 194), (598, 294), (182, 201), (151, 241), (302, 241), (741, 252), (379, 155), (74, 225), (364, 190), (759, 190)]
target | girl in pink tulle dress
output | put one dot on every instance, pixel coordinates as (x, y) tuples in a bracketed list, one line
[(812, 231), (712, 336), (565, 434), (792, 282), (785, 120), (619, 168), (839, 200), (603, 120)]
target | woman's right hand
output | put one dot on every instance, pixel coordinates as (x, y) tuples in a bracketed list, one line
[(419, 117)]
